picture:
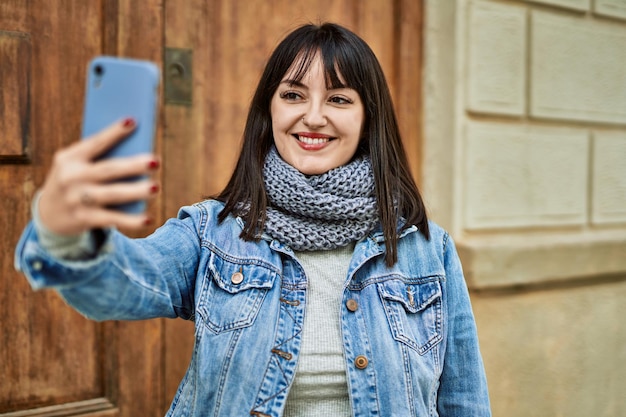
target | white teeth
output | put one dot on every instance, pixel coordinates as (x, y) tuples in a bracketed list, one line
[(312, 141)]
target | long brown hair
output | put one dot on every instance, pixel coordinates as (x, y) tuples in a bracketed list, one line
[(342, 52)]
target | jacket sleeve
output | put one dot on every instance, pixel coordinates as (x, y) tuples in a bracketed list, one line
[(128, 279), (463, 385)]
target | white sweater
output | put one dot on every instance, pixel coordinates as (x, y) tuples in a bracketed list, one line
[(320, 387)]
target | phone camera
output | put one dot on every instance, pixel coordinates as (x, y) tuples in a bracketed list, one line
[(98, 70)]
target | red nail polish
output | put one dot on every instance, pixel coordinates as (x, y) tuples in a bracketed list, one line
[(147, 221), (154, 189), (154, 164), (129, 122)]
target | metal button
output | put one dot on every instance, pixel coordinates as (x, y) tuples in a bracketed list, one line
[(352, 305), (37, 265), (361, 362), (411, 298), (285, 355), (236, 278)]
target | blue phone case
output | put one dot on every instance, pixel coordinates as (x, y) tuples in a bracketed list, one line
[(118, 88)]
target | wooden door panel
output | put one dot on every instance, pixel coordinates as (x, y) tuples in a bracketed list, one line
[(14, 48), (54, 362), (50, 355), (99, 407)]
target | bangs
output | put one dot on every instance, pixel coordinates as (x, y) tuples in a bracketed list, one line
[(335, 68)]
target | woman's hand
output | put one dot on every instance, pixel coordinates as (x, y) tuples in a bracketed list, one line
[(79, 188)]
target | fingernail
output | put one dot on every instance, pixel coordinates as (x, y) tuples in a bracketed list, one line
[(147, 221), (154, 189), (154, 164), (129, 122)]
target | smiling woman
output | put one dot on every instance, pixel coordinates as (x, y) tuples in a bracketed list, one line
[(315, 281)]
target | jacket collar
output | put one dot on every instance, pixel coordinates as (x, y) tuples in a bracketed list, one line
[(377, 233)]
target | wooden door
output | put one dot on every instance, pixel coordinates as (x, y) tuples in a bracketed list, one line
[(53, 362)]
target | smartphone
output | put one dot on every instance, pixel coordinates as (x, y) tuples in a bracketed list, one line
[(118, 88)]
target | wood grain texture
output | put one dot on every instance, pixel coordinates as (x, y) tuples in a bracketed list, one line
[(408, 80), (139, 34), (53, 361), (49, 353), (98, 407), (14, 96)]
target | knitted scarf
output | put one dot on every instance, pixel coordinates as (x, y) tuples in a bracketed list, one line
[(319, 212)]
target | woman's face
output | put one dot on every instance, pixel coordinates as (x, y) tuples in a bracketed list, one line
[(315, 129)]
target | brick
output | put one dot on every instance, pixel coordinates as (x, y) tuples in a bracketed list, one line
[(519, 176), (611, 8), (609, 178), (578, 69), (496, 59), (581, 5)]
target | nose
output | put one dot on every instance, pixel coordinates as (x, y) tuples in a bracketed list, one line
[(315, 116)]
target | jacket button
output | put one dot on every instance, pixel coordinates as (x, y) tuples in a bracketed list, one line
[(352, 305), (361, 362), (236, 278)]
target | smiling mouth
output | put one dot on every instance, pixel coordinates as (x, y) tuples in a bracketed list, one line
[(313, 140)]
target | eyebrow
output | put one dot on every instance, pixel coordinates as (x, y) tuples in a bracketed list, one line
[(300, 84)]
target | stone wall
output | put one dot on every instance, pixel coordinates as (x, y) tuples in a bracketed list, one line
[(525, 165)]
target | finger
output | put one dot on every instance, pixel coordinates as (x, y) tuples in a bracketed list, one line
[(113, 169), (118, 193), (99, 143)]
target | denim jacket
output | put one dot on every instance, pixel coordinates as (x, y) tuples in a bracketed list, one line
[(409, 336)]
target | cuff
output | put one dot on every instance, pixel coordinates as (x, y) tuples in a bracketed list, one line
[(79, 247)]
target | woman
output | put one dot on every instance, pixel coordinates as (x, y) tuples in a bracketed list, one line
[(316, 283)]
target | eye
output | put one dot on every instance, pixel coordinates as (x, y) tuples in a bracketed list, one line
[(340, 100), (290, 95)]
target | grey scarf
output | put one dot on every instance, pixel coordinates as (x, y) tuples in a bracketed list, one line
[(319, 212)]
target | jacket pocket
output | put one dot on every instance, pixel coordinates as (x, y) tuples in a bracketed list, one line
[(414, 312), (232, 293)]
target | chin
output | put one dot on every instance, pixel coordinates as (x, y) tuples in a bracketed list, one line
[(313, 170)]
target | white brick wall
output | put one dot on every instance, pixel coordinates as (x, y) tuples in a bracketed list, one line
[(553, 75), (525, 126), (525, 165)]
